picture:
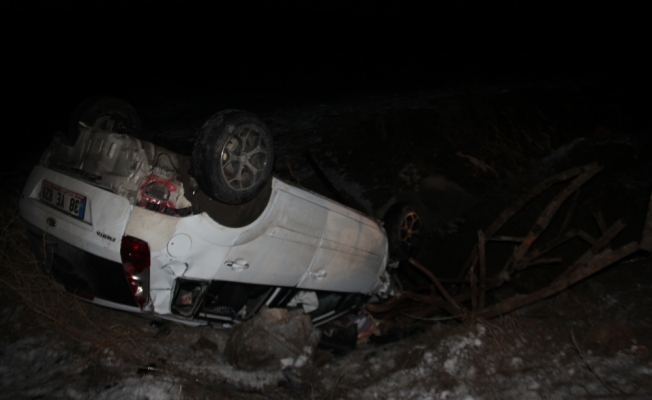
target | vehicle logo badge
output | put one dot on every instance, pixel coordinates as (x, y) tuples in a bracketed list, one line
[(105, 236)]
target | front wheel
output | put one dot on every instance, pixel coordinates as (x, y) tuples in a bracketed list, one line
[(233, 156), (107, 113)]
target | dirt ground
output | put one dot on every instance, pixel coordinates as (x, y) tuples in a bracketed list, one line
[(462, 157)]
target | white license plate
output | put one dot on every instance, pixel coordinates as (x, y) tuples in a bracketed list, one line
[(63, 199)]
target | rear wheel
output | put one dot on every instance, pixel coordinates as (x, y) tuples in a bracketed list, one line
[(404, 227), (233, 156), (108, 113)]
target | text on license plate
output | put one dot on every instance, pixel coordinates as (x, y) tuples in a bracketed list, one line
[(63, 199)]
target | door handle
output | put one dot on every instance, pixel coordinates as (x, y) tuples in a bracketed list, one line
[(319, 274), (238, 265)]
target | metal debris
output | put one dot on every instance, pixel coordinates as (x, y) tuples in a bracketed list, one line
[(473, 282)]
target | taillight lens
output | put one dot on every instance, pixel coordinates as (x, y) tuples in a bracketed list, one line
[(136, 262)]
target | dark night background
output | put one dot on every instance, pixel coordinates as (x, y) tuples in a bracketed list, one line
[(261, 55), (398, 100)]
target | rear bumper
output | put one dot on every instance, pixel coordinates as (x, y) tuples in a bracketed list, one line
[(79, 272), (83, 255), (89, 277)]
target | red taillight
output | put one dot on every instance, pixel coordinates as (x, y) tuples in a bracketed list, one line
[(136, 261)]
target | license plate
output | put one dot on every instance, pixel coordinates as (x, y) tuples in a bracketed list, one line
[(63, 199)]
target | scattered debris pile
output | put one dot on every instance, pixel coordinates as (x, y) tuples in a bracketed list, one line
[(475, 281)]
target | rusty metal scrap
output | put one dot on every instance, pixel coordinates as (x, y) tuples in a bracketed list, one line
[(535, 192), (597, 263), (546, 216), (522, 257), (473, 284), (506, 239), (558, 241), (453, 304), (599, 219), (544, 261), (586, 237), (586, 171), (483, 269), (571, 211), (646, 239)]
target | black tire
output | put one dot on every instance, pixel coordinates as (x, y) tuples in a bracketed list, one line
[(107, 113), (233, 156), (404, 227)]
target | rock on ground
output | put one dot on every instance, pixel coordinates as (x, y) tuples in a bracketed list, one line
[(274, 338)]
